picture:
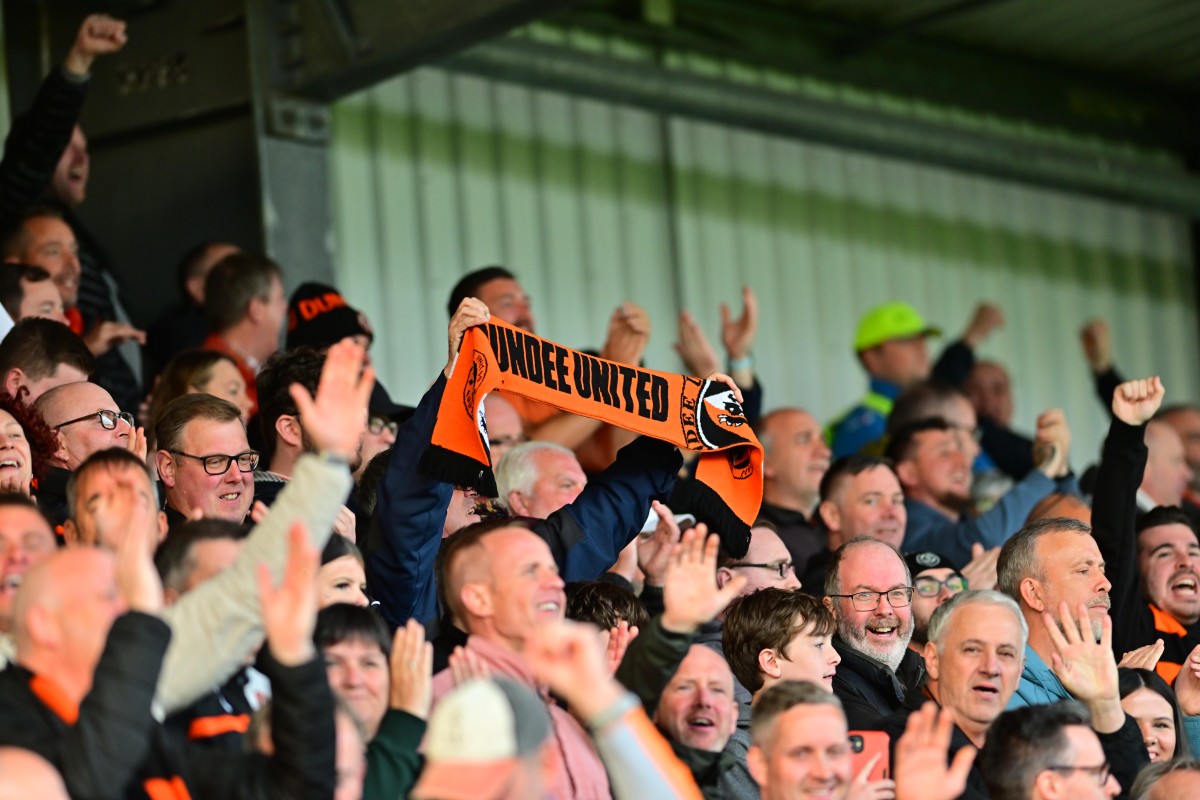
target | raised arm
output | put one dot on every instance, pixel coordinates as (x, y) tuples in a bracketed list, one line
[(691, 599), (302, 766), (36, 143), (405, 533), (994, 527), (101, 752), (1114, 505), (921, 768), (1097, 349), (218, 624), (955, 363), (568, 657), (738, 335), (588, 535)]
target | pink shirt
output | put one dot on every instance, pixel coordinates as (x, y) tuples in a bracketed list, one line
[(580, 772)]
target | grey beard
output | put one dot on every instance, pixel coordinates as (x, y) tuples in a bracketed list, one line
[(890, 657), (1097, 629)]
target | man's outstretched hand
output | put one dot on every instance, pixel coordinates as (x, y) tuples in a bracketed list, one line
[(470, 312), (98, 35), (336, 418), (1135, 402)]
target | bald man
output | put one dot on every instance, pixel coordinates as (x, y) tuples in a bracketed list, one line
[(501, 584), (697, 708), (25, 774), (81, 635), (87, 627), (1167, 474), (86, 420), (795, 459)]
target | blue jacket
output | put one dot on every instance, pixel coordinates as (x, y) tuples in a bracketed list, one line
[(1124, 748), (585, 537), (866, 422), (1039, 685), (929, 529)]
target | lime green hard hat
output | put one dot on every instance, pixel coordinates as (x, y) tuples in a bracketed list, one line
[(891, 321)]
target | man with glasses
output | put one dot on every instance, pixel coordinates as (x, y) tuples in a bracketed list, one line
[(383, 423), (204, 460), (935, 580), (869, 590), (767, 562), (1046, 752), (217, 624), (86, 420)]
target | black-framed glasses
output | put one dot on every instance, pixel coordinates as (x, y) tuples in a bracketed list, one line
[(780, 567), (219, 464), (929, 586), (377, 425), (1100, 773), (108, 419), (869, 601)]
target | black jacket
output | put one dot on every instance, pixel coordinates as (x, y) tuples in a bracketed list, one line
[(802, 540), (893, 725), (1011, 451), (1114, 512), (52, 496), (115, 749), (1125, 750), (651, 660), (868, 691), (812, 580), (36, 143)]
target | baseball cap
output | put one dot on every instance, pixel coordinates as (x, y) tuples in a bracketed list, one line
[(922, 560), (319, 316), (891, 321), (478, 735), (382, 405)]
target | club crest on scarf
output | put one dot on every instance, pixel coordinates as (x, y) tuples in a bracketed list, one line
[(475, 378), (714, 419)]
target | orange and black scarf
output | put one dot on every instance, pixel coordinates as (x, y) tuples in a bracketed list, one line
[(691, 413)]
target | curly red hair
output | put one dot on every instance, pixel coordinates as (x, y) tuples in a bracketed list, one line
[(43, 441)]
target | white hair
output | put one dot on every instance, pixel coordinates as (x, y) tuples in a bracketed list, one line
[(518, 469), (939, 623)]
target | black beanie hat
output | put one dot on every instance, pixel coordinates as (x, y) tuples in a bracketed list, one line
[(318, 316)]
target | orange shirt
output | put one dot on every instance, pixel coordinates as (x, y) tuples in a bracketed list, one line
[(215, 342)]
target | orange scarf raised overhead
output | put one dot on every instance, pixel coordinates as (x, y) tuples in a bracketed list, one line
[(691, 413)]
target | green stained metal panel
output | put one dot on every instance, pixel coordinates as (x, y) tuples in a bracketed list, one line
[(591, 204)]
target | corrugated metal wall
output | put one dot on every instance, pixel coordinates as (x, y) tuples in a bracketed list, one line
[(591, 204)]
